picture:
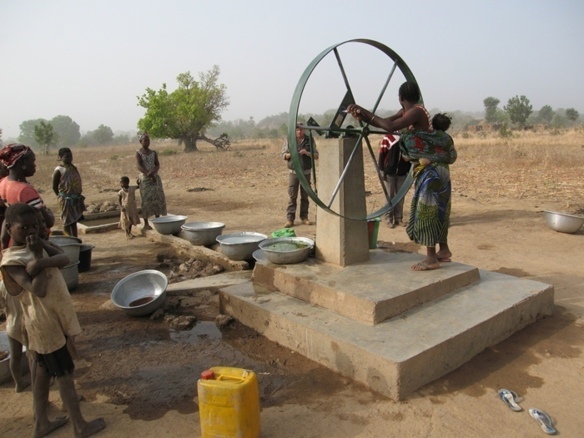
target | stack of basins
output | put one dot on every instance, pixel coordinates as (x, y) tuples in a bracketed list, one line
[(71, 246)]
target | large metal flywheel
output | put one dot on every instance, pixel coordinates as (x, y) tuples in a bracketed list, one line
[(337, 127)]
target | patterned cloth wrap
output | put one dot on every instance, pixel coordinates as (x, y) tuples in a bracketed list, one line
[(437, 146)]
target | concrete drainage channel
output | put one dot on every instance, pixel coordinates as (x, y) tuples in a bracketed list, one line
[(99, 222)]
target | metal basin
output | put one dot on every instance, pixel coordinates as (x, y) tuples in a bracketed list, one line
[(140, 293), (202, 233), (287, 250), (71, 275), (240, 246), (563, 222), (71, 246), (168, 224)]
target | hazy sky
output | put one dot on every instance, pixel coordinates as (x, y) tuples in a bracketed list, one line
[(90, 59)]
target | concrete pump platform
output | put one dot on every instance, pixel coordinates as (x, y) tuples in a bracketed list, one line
[(382, 324)]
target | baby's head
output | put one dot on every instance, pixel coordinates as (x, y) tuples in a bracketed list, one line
[(124, 182), (441, 122)]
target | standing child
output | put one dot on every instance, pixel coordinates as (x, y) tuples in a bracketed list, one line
[(30, 269), (67, 187), (129, 210)]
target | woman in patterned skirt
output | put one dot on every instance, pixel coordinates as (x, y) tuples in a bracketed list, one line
[(151, 191)]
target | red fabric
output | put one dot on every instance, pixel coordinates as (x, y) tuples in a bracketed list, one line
[(12, 192), (12, 153)]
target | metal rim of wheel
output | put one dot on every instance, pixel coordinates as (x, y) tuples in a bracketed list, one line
[(362, 132)]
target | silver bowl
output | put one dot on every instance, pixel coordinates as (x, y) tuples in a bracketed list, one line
[(287, 250), (240, 246), (140, 293), (202, 233), (563, 222), (168, 224)]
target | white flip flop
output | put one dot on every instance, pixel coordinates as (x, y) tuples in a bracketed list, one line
[(543, 419), (510, 398)]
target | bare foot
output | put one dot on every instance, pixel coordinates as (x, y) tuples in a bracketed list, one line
[(444, 256), (45, 429), (91, 428), (425, 266)]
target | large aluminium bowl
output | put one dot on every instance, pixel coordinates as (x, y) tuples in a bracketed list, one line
[(168, 224), (202, 233), (563, 222), (240, 246), (141, 293), (287, 250)]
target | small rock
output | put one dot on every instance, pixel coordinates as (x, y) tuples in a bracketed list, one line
[(223, 320), (158, 313)]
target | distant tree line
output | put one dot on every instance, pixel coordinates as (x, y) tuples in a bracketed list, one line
[(518, 113), (62, 131), (192, 112)]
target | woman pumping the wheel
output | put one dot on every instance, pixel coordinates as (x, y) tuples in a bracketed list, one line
[(432, 151)]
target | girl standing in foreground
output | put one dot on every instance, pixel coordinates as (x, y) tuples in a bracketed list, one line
[(129, 210), (67, 187), (30, 269)]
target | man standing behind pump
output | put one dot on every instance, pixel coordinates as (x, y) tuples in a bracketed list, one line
[(395, 170), (303, 148)]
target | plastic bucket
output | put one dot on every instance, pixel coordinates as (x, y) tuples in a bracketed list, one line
[(229, 403), (373, 230), (85, 257)]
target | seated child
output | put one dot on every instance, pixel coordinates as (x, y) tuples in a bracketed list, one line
[(30, 269)]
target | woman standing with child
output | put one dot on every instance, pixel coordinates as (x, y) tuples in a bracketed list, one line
[(433, 151), (67, 186), (151, 191)]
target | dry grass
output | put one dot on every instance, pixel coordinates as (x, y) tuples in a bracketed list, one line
[(544, 167)]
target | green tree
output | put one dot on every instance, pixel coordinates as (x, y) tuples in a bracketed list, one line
[(572, 114), (491, 104), (103, 135), (45, 136), (518, 108), (67, 130), (27, 132), (546, 114), (187, 112)]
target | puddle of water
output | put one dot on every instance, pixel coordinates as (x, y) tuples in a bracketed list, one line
[(202, 331)]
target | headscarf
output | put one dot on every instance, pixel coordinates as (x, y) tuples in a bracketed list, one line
[(143, 136), (12, 153)]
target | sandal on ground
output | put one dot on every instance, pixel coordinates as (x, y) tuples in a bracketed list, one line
[(544, 420), (510, 398)]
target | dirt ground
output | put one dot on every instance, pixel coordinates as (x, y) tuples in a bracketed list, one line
[(141, 375)]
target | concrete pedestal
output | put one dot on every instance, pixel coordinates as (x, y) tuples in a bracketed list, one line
[(342, 241)]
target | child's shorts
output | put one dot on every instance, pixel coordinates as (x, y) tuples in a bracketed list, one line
[(58, 363)]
